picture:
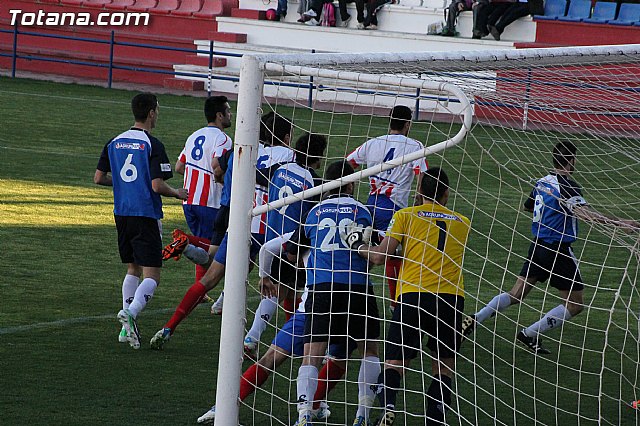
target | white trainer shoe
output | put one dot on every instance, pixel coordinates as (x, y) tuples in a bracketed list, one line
[(216, 308), (209, 417), (131, 328), (160, 338), (250, 348), (322, 413), (122, 337)]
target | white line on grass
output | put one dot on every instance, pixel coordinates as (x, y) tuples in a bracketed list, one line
[(77, 320)]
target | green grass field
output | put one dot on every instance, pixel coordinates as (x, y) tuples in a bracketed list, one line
[(60, 279)]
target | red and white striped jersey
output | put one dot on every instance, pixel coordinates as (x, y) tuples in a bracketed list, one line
[(267, 157), (198, 153), (395, 183)]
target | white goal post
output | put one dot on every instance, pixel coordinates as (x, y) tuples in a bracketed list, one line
[(462, 88)]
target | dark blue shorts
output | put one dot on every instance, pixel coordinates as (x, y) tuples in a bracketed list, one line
[(200, 219), (256, 242)]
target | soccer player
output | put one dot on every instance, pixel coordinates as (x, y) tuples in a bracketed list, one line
[(341, 306), (308, 150), (390, 190), (289, 338), (430, 296), (197, 164), (556, 203), (136, 165)]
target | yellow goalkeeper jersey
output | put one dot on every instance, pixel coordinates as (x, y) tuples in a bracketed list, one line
[(433, 240)]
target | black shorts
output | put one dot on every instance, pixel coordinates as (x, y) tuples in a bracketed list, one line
[(439, 316), (220, 225), (337, 313), (555, 262), (139, 240)]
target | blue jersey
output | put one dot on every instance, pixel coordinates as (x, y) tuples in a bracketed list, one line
[(135, 159), (552, 201), (289, 179), (225, 197), (331, 260)]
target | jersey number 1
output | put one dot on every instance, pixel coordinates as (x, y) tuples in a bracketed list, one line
[(442, 234)]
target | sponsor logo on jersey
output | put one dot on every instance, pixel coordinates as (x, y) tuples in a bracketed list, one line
[(295, 182), (436, 215), (130, 145), (347, 210)]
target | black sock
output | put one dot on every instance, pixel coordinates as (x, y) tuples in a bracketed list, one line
[(389, 382), (438, 399)]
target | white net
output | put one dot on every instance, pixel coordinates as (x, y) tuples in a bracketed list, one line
[(523, 103)]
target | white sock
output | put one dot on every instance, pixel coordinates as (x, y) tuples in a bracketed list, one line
[(197, 255), (554, 318), (265, 312), (307, 384), (369, 372), (497, 304), (144, 293), (129, 286)]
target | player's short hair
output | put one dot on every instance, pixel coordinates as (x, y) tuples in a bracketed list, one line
[(264, 126), (335, 171), (400, 115), (310, 148), (142, 104), (276, 127), (434, 183), (563, 153), (213, 105)]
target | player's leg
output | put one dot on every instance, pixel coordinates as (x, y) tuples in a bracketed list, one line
[(332, 371), (402, 345), (363, 326), (316, 332), (129, 286), (265, 311), (565, 276), (530, 274), (441, 317)]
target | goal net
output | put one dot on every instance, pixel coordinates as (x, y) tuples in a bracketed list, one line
[(490, 120)]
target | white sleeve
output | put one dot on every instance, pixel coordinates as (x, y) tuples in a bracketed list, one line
[(268, 251), (359, 155)]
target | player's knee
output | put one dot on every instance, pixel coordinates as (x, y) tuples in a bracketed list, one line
[(574, 308)]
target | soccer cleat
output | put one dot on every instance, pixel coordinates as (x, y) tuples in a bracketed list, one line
[(175, 248), (209, 417), (122, 337), (250, 348), (177, 232), (131, 328), (361, 421), (322, 413), (387, 419), (304, 420), (468, 327), (216, 308), (534, 344), (207, 299), (160, 338)]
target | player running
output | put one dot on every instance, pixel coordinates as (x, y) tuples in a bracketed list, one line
[(556, 203)]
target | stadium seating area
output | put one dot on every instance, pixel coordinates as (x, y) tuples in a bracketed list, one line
[(584, 11)]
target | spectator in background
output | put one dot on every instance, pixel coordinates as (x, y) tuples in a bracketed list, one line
[(511, 13), (485, 12), (371, 21), (453, 11), (344, 15)]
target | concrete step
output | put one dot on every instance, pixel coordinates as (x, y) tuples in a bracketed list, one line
[(297, 36), (184, 84)]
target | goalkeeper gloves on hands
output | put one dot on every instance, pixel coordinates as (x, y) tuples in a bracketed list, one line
[(357, 235)]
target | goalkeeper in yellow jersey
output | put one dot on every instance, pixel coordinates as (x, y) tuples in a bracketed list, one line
[(430, 294)]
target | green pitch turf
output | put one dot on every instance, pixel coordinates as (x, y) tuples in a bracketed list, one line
[(60, 280)]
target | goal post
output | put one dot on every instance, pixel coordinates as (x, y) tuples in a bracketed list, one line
[(490, 118)]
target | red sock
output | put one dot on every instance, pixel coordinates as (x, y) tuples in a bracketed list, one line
[(253, 378), (201, 242), (289, 307), (200, 271), (327, 380), (392, 269), (190, 300)]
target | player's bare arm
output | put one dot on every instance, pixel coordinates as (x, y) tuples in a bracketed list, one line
[(375, 254), (160, 187), (589, 214), (180, 166), (102, 178)]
